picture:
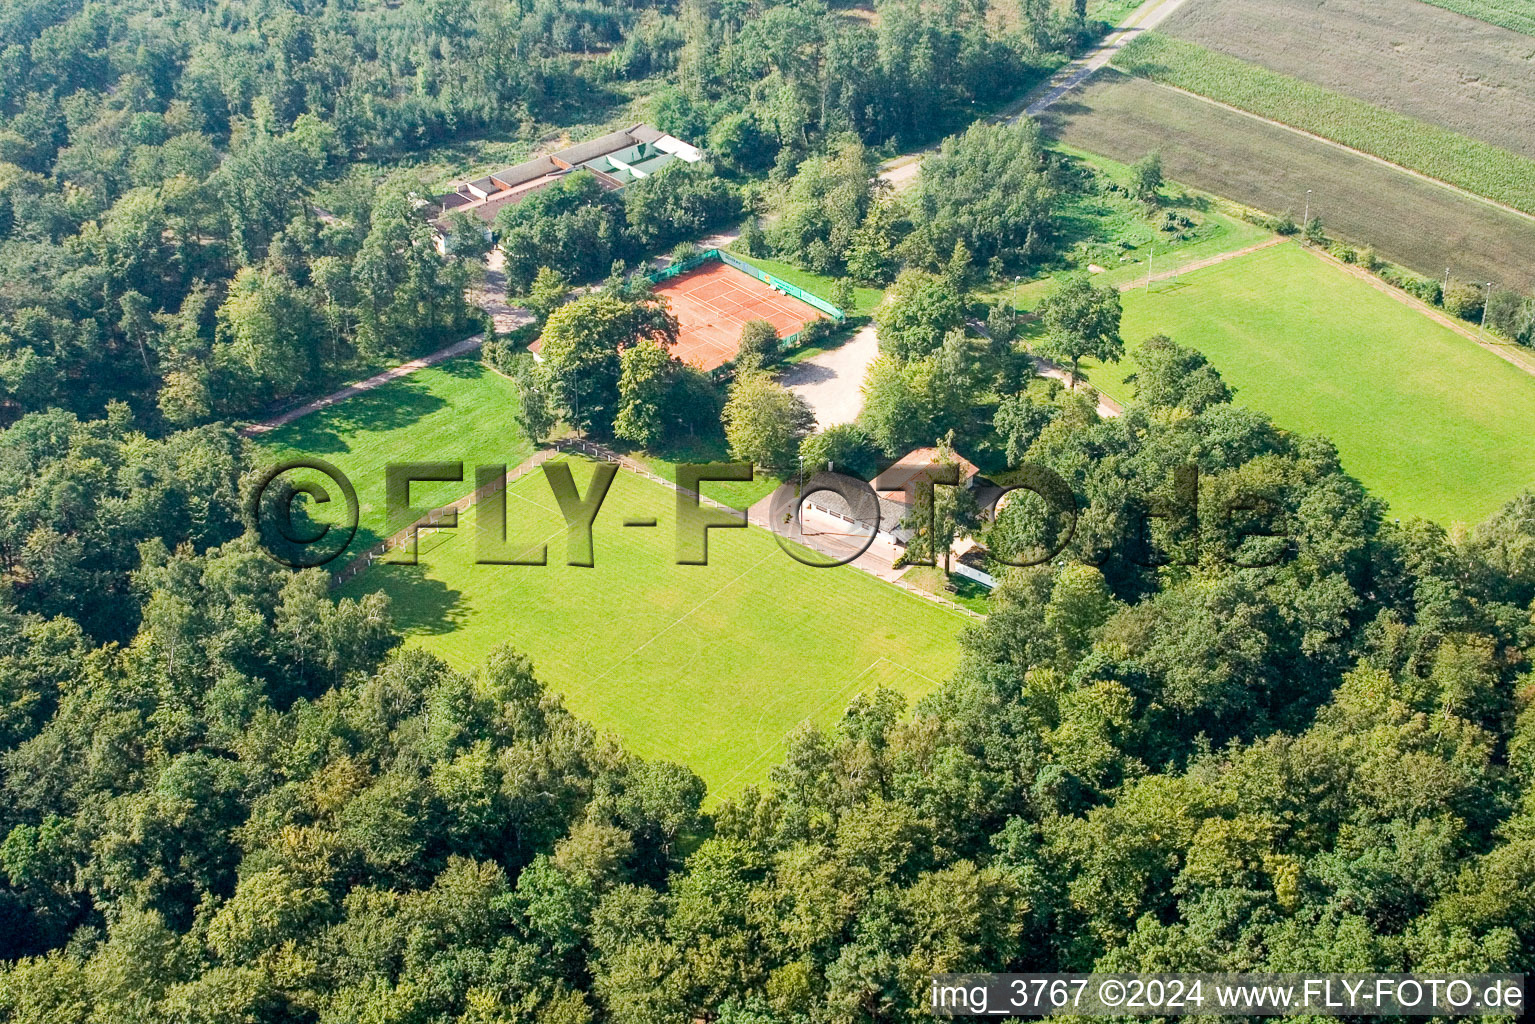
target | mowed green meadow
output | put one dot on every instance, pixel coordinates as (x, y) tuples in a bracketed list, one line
[(460, 410), (710, 666), (1428, 420)]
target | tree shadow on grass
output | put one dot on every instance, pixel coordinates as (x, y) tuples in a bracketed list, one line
[(419, 603), (1167, 286), (708, 447), (392, 407), (465, 368)]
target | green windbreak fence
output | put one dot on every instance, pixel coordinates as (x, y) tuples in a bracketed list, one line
[(782, 285), (683, 266)]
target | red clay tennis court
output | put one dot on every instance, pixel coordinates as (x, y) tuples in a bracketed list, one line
[(713, 301)]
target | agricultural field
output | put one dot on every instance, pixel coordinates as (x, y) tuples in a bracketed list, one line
[(457, 411), (1471, 164), (1518, 15), (1467, 77), (1430, 422), (711, 666), (1412, 222)]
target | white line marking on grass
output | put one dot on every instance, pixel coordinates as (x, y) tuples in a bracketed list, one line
[(547, 508), (682, 618), (769, 748)]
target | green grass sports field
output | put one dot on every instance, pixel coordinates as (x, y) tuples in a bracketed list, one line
[(710, 666), (457, 411), (1424, 417)]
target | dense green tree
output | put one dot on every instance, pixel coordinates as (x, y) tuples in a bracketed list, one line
[(822, 208), (1019, 421), (1146, 177), (899, 403), (843, 448), (919, 311), (466, 236), (409, 299), (262, 330), (1170, 376), (645, 387), (582, 343), (758, 346), (1080, 320), (991, 189), (680, 201), (574, 227), (547, 293), (764, 421)]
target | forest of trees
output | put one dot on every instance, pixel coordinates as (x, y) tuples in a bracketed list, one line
[(197, 216), (1240, 719), (262, 809)]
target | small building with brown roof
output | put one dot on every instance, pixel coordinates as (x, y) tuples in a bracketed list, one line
[(896, 487), (615, 159)]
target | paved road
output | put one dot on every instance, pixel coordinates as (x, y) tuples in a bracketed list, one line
[(490, 295)]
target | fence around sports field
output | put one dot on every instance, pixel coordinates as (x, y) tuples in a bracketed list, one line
[(680, 267)]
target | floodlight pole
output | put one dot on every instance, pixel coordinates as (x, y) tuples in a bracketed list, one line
[(1306, 220), (1016, 279)]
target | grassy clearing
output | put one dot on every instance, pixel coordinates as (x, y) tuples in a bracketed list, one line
[(1427, 420), (1116, 232), (1467, 163), (455, 411), (1111, 12), (1411, 222), (707, 665), (962, 590), (1518, 15), (1470, 78)]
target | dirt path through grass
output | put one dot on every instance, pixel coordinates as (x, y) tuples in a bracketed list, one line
[(1146, 17), (901, 171), (1209, 261), (490, 296), (378, 380)]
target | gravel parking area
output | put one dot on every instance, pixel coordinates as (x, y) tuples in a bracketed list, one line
[(832, 382)]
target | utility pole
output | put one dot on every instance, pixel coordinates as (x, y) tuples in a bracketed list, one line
[(1306, 220), (1149, 261), (1486, 301), (1016, 279), (1446, 287)]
